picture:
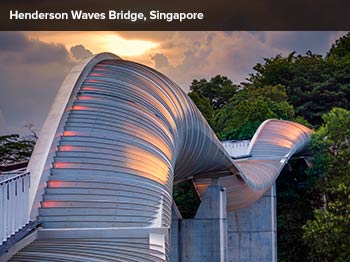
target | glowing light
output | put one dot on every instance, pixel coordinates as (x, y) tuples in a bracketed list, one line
[(80, 108), (54, 184), (126, 47), (61, 165), (97, 42), (85, 97), (60, 184), (49, 204), (89, 88), (69, 133), (66, 148)]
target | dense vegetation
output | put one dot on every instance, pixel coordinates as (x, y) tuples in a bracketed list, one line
[(327, 234), (313, 202), (14, 148)]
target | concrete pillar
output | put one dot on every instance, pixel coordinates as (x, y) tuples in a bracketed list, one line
[(175, 246), (252, 231), (204, 238)]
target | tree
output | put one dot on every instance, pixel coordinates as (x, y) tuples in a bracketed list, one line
[(296, 199), (248, 108), (340, 50), (218, 90), (186, 199), (13, 148), (314, 84), (302, 88), (203, 104), (328, 234)]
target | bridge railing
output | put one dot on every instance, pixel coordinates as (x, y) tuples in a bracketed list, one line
[(237, 148), (14, 202)]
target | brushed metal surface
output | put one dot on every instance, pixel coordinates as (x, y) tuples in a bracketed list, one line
[(117, 138)]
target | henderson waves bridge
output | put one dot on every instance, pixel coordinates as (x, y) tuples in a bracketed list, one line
[(117, 138)]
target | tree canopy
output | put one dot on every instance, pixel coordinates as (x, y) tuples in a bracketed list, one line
[(218, 90), (328, 234), (313, 203), (314, 84), (248, 108), (14, 148)]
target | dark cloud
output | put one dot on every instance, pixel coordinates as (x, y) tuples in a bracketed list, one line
[(160, 61), (3, 125), (205, 54), (80, 52), (300, 42), (31, 73), (40, 52), (17, 48), (13, 41), (185, 56)]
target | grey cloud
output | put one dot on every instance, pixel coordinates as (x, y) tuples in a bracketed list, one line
[(32, 71), (204, 54), (13, 41), (168, 45), (40, 52), (160, 61), (15, 47), (80, 52), (301, 42), (210, 38), (31, 74), (3, 125), (261, 35)]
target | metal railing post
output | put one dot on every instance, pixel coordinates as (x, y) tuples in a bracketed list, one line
[(14, 201)]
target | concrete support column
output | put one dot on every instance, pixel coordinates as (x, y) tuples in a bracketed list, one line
[(252, 231), (204, 238)]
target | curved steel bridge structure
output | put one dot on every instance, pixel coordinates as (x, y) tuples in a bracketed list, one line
[(117, 138)]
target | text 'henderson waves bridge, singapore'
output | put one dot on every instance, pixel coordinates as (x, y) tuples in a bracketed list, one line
[(117, 138)]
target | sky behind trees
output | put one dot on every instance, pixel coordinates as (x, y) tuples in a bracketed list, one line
[(34, 64)]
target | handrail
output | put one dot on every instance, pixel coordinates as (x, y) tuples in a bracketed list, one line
[(8, 176), (14, 203)]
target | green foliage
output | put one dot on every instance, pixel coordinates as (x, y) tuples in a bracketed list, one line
[(218, 90), (312, 203), (314, 84), (295, 199), (340, 50), (186, 199), (249, 108), (203, 104), (328, 234), (13, 148)]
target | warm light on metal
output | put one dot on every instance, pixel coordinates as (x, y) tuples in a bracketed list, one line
[(120, 134)]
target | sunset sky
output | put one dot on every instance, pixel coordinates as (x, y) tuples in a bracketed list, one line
[(34, 64)]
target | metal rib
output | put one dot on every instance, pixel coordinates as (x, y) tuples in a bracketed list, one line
[(120, 134), (273, 144)]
